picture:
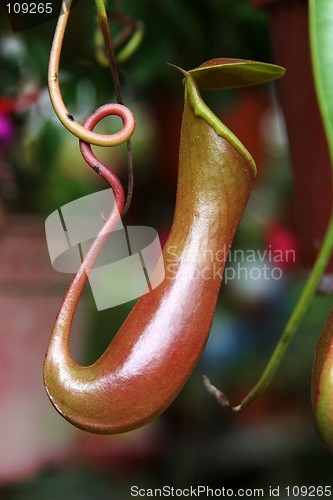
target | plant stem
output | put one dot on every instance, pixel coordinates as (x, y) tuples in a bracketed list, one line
[(133, 43), (104, 23), (296, 317), (58, 104), (289, 331)]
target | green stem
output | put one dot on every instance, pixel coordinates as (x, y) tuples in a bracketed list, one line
[(101, 10), (104, 23), (58, 104), (289, 332), (296, 317), (132, 45)]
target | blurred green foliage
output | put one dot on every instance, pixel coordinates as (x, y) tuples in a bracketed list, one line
[(187, 33), (184, 33)]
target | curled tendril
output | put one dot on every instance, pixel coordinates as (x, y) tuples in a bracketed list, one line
[(87, 137), (93, 161), (77, 285), (69, 305), (58, 104), (113, 182)]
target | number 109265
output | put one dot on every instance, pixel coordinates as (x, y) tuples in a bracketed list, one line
[(29, 8)]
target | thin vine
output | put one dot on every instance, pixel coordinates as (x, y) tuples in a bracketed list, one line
[(88, 137), (119, 109), (289, 331), (111, 58)]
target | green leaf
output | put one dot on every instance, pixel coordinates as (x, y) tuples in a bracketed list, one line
[(321, 33), (225, 73)]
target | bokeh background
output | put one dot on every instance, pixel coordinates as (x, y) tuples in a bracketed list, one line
[(194, 442)]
